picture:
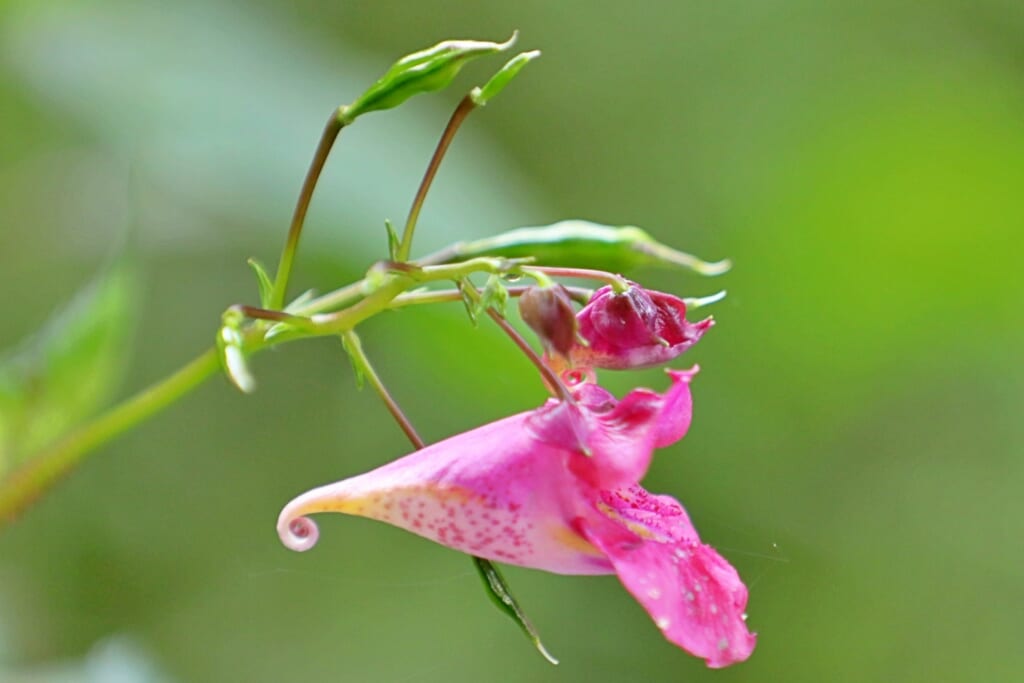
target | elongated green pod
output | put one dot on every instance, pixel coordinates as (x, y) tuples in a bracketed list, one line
[(423, 71), (580, 244)]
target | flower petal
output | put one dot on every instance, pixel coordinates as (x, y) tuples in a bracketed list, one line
[(495, 492), (634, 329), (694, 596), (616, 438)]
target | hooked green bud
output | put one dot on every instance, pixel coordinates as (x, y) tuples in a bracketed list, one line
[(232, 356), (423, 71)]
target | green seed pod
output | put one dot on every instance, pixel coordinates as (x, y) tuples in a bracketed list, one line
[(580, 244), (423, 71)]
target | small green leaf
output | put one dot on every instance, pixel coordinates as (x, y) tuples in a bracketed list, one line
[(265, 282), (423, 71), (498, 590), (481, 96), (67, 370), (394, 241), (580, 244)]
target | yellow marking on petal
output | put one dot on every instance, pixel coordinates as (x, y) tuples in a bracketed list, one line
[(637, 528), (574, 541)]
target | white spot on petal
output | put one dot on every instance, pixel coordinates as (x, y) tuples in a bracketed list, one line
[(689, 596), (714, 609), (663, 623), (723, 644), (654, 593)]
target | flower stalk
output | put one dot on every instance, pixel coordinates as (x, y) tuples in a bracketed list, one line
[(284, 269), (466, 105)]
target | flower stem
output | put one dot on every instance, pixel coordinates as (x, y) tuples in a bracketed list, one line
[(458, 116), (25, 484), (578, 294), (363, 366), (551, 379), (618, 283), (284, 268)]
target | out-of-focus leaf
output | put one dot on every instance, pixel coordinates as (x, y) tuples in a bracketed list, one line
[(69, 368), (481, 96), (423, 71), (580, 244)]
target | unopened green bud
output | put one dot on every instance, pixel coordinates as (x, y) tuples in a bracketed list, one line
[(423, 71), (481, 96)]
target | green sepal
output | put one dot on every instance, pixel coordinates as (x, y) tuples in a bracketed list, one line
[(230, 349), (469, 301), (580, 244), (423, 71), (394, 241), (265, 282), (357, 367), (693, 303), (70, 367), (495, 295), (499, 592), (481, 96), (300, 301)]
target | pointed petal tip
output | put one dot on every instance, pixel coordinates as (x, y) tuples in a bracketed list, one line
[(683, 375)]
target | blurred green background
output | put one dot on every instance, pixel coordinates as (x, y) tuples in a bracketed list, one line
[(856, 449)]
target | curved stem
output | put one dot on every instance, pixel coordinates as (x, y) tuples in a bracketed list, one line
[(363, 366), (284, 268), (551, 379), (26, 483), (458, 116), (618, 283), (437, 296)]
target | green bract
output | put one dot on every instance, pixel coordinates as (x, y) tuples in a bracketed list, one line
[(481, 96), (423, 71)]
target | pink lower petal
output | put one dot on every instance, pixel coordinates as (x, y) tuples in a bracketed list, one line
[(694, 596)]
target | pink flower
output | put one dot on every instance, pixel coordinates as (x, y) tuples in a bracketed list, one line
[(635, 329), (556, 489)]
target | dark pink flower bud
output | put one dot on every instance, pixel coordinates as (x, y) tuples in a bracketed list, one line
[(635, 329), (549, 312)]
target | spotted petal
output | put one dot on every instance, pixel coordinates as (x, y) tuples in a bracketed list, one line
[(694, 596)]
